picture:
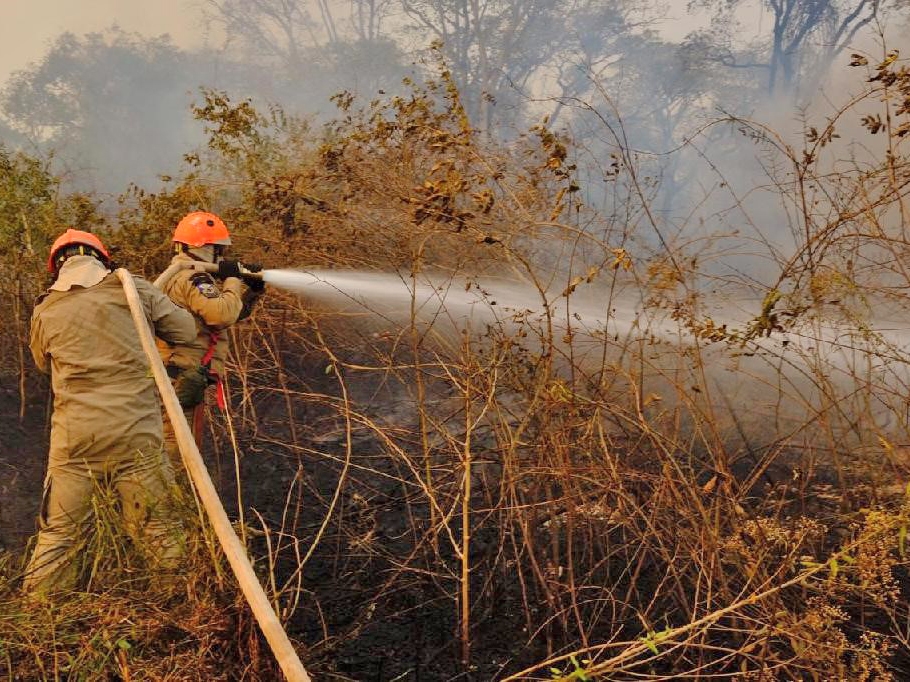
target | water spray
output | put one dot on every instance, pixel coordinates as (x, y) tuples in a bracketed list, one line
[(390, 293), (753, 378)]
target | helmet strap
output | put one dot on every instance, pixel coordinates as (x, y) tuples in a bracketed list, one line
[(77, 250)]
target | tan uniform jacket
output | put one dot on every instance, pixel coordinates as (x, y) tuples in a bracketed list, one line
[(215, 305), (105, 402)]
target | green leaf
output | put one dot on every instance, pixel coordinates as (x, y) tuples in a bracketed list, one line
[(649, 642)]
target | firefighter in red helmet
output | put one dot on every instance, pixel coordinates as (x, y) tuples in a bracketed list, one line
[(106, 427), (217, 301)]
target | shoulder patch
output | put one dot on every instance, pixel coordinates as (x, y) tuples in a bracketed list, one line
[(204, 282)]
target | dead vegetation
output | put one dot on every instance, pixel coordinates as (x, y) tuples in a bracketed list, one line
[(540, 497)]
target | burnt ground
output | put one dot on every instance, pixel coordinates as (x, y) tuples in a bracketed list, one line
[(23, 458), (377, 603), (369, 610)]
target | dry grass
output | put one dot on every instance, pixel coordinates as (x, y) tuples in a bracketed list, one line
[(541, 497), (128, 621)]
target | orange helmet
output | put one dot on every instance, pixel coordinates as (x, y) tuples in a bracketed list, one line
[(200, 228), (71, 238)]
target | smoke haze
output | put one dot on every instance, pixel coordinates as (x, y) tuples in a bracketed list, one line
[(113, 104)]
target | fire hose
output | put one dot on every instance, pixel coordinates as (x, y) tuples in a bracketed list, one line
[(234, 550)]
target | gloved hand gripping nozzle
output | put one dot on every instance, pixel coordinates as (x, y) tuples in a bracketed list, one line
[(251, 273), (234, 268)]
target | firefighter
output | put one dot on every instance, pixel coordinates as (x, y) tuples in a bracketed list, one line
[(217, 301), (106, 427)]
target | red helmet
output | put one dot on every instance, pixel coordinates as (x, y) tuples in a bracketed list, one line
[(72, 237), (200, 228)]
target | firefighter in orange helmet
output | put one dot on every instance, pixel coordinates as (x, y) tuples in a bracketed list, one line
[(217, 301), (106, 425)]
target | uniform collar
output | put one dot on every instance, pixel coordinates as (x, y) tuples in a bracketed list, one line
[(204, 253), (188, 255), (81, 271)]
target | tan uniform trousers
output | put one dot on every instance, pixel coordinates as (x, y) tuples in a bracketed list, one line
[(143, 486)]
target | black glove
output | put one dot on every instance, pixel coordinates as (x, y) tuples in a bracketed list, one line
[(190, 386), (228, 268), (254, 283)]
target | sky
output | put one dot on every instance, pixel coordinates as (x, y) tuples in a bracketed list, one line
[(28, 27)]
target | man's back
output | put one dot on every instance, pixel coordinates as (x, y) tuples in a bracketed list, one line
[(104, 394), (215, 307)]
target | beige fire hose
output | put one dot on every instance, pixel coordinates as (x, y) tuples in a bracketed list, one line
[(234, 550)]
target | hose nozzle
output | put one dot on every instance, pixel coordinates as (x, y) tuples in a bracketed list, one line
[(245, 272), (202, 266)]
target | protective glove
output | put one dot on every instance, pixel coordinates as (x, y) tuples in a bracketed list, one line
[(254, 283), (190, 386), (228, 268)]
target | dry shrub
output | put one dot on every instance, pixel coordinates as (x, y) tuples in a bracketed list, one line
[(562, 490)]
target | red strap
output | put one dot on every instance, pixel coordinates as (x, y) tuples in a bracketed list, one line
[(210, 351), (206, 362), (219, 393)]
